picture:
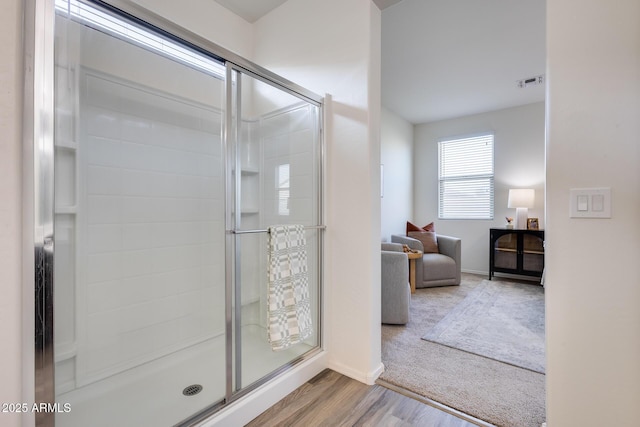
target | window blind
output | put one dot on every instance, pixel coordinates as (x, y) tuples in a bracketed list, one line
[(466, 178)]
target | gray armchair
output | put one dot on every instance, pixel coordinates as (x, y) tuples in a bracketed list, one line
[(396, 293), (441, 269)]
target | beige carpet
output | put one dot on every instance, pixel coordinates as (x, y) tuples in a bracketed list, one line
[(496, 392), (499, 320)]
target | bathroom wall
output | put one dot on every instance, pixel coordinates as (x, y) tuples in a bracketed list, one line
[(152, 236)]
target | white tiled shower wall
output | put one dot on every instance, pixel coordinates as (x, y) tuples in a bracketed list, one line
[(284, 137), (288, 139), (150, 226)]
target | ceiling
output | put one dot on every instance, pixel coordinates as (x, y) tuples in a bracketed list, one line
[(251, 10), (446, 59)]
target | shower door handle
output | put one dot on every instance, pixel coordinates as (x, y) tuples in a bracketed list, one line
[(310, 227)]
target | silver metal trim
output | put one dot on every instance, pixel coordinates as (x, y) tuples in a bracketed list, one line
[(201, 415), (236, 108), (279, 371), (311, 227), (321, 220), (39, 116), (228, 136), (283, 85), (444, 408)]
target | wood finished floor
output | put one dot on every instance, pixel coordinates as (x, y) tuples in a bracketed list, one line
[(332, 399)]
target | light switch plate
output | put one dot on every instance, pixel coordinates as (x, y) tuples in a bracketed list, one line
[(590, 202), (597, 202), (583, 203)]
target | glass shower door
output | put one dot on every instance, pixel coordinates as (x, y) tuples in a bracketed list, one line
[(139, 224), (277, 151), (170, 166)]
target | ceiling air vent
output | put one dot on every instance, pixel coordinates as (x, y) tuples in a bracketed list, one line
[(531, 81)]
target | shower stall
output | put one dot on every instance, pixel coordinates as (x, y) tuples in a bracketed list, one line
[(169, 160)]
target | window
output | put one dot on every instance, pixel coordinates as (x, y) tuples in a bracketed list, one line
[(466, 178), (282, 186)]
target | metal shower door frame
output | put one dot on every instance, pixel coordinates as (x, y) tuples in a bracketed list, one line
[(39, 197)]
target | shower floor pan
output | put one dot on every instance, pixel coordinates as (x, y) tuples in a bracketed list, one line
[(152, 394)]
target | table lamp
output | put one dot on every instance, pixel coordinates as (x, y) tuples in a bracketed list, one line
[(522, 199)]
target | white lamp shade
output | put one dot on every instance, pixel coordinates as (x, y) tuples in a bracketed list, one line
[(521, 198)]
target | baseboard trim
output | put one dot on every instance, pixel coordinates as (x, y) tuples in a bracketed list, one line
[(437, 405), (478, 272), (364, 377)]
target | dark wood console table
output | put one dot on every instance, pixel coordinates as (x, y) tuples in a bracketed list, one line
[(516, 251)]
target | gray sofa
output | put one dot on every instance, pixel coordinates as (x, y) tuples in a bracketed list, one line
[(396, 293), (441, 269)]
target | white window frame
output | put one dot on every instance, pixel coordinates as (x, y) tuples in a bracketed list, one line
[(283, 188), (466, 166)]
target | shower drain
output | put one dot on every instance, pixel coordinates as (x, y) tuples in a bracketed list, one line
[(192, 390)]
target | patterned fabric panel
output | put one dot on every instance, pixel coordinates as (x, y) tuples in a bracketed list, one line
[(289, 307)]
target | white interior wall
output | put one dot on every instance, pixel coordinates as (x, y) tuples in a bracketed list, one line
[(11, 208), (341, 59), (396, 156), (519, 163), (209, 20), (373, 343), (592, 278)]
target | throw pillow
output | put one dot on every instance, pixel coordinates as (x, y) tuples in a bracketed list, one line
[(412, 227), (426, 234), (428, 239)]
